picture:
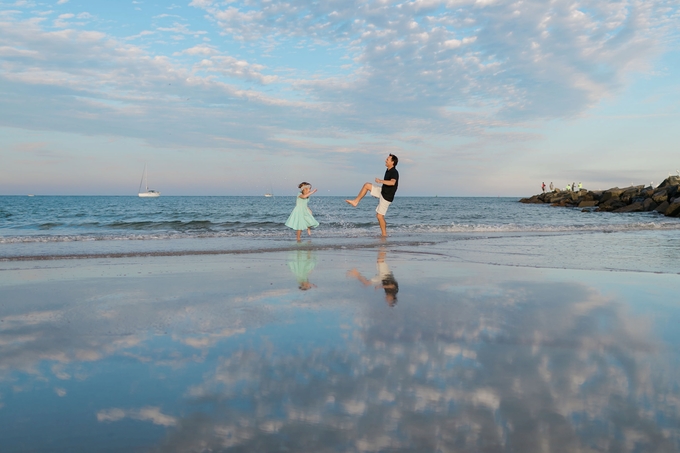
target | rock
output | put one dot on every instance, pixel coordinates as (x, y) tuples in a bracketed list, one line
[(533, 200), (662, 207), (610, 205), (649, 205), (673, 210), (635, 207), (665, 199), (630, 194), (596, 194), (646, 192), (588, 196), (660, 196), (670, 181), (614, 193)]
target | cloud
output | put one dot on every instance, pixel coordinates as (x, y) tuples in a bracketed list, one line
[(518, 60), (149, 413), (61, 2), (393, 74)]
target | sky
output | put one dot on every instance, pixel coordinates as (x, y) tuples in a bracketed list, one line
[(475, 97)]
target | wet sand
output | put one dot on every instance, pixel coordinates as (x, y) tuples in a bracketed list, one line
[(376, 349)]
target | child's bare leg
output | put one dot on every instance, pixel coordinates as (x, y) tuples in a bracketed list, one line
[(299, 232), (309, 232), (362, 193)]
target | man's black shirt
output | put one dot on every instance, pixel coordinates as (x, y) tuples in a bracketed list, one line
[(388, 192)]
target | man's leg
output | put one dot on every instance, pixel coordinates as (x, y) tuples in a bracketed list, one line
[(364, 190), (383, 226)]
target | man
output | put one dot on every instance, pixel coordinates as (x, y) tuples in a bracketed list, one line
[(543, 186), (385, 194), (383, 279)]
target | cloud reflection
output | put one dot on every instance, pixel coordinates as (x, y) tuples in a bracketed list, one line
[(527, 367)]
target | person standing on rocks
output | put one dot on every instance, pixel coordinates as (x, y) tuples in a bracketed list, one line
[(552, 188), (580, 186), (543, 187)]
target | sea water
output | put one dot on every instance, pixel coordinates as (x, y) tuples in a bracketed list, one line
[(492, 230)]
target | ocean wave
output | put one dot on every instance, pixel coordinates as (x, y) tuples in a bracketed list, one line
[(206, 229), (517, 228)]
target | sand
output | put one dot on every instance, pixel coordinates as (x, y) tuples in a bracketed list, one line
[(377, 349)]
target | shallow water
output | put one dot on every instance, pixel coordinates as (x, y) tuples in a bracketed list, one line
[(227, 353), (483, 230)]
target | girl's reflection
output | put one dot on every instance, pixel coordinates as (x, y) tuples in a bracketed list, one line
[(383, 279), (302, 262)]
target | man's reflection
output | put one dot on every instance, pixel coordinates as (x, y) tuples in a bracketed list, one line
[(383, 279), (301, 263)]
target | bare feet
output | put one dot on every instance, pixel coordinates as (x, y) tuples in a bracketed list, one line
[(352, 202)]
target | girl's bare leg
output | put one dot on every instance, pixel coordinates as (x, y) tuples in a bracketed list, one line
[(299, 232), (309, 232)]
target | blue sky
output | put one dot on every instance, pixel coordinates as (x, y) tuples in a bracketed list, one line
[(476, 97)]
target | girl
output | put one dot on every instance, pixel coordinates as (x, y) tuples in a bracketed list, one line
[(301, 217)]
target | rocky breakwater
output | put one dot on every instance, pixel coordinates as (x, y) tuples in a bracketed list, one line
[(664, 199)]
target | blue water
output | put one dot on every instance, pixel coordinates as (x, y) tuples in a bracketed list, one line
[(72, 226)]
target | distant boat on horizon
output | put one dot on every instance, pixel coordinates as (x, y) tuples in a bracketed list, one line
[(270, 193), (145, 181)]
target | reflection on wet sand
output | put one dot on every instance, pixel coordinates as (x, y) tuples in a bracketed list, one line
[(384, 279), (535, 367), (480, 363), (302, 263)]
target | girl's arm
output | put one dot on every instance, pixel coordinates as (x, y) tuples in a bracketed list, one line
[(308, 195)]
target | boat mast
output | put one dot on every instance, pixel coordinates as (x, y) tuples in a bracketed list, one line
[(142, 181)]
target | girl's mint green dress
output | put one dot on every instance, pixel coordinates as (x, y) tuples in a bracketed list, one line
[(301, 218)]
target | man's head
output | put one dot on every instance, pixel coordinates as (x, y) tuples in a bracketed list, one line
[(391, 161), (391, 288)]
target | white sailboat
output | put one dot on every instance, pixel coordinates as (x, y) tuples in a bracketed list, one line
[(145, 182), (270, 193)]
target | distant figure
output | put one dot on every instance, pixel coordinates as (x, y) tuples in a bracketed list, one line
[(385, 193), (573, 187), (383, 279), (543, 187), (580, 186), (568, 188), (301, 218), (551, 186)]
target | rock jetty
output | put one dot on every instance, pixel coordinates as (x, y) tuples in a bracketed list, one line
[(664, 199)]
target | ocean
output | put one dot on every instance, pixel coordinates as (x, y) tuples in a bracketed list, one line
[(493, 230)]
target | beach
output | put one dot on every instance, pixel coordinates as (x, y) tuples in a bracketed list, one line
[(487, 344)]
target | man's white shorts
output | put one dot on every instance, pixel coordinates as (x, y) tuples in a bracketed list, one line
[(383, 204)]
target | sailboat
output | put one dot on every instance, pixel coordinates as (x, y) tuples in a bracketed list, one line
[(145, 182), (270, 193)]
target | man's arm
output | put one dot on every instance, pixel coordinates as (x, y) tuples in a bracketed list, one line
[(387, 182)]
